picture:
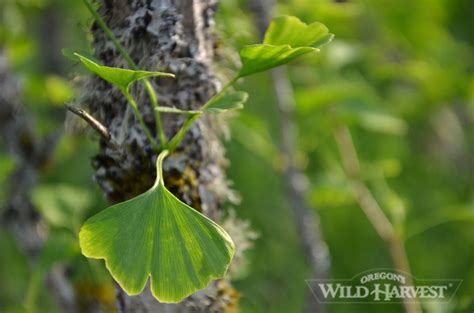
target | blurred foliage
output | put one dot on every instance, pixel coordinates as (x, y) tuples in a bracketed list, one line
[(399, 74)]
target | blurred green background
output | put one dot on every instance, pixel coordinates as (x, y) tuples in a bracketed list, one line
[(399, 74)]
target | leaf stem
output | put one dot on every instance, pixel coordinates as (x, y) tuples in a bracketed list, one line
[(178, 137), (154, 104), (148, 87), (109, 34), (140, 119), (159, 167), (178, 111)]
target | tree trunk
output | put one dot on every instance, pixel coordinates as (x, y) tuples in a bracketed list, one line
[(170, 36)]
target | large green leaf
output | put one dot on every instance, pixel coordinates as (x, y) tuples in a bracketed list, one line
[(119, 77), (286, 39), (156, 235)]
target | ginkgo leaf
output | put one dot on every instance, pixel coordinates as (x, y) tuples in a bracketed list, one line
[(289, 30), (156, 235), (286, 39), (228, 102), (119, 77), (261, 57)]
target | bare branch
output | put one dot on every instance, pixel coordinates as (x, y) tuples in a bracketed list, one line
[(372, 209), (98, 126)]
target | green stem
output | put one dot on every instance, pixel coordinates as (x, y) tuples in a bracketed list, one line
[(220, 93), (149, 88), (178, 111), (159, 167), (178, 137), (109, 34), (139, 117), (155, 105)]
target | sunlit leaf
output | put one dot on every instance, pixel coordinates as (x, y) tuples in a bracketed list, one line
[(228, 102), (156, 235), (289, 30), (119, 77), (286, 39), (258, 58)]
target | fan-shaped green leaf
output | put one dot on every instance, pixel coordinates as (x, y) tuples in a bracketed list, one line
[(286, 39), (289, 30), (258, 58), (119, 77), (156, 235)]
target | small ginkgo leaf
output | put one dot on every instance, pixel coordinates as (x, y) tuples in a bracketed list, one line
[(156, 235), (119, 77), (258, 58), (286, 39), (289, 30), (228, 102)]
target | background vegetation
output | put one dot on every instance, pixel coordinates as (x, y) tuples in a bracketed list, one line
[(399, 75)]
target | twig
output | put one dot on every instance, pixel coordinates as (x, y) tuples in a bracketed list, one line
[(307, 221), (98, 126), (372, 209)]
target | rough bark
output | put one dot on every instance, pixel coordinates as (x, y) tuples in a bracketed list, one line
[(171, 36)]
